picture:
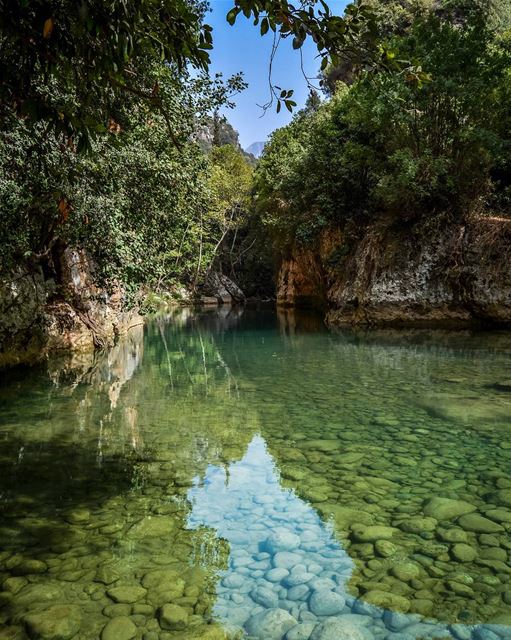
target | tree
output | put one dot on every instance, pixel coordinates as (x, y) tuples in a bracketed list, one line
[(90, 52), (385, 148), (94, 52)]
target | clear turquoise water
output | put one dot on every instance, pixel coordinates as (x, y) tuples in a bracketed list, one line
[(250, 474)]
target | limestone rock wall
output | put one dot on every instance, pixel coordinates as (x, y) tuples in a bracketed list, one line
[(40, 315), (457, 274)]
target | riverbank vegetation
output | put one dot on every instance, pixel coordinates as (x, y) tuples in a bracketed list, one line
[(110, 136), (383, 147)]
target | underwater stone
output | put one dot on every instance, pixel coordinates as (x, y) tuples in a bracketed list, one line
[(326, 603), (28, 566), (282, 540), (460, 589), (502, 497), (115, 610), (406, 571), (152, 527), (384, 548), (13, 585), (478, 524), (500, 515), (336, 629), (126, 595), (272, 624), (299, 592), (372, 533), (396, 621), (418, 525), (463, 552), (276, 575), (482, 633), (452, 535), (265, 597), (78, 516), (302, 631), (59, 622), (106, 574), (38, 593), (143, 610), (320, 584), (233, 581), (286, 560), (296, 578), (447, 509), (460, 631), (387, 600), (173, 617), (121, 628)]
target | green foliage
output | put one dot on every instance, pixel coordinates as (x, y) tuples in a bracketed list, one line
[(144, 208), (387, 147), (65, 62)]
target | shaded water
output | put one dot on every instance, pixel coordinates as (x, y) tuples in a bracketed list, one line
[(251, 474)]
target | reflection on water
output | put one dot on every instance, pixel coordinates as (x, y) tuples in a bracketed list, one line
[(287, 573), (218, 471)]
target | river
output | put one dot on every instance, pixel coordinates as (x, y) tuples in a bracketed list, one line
[(238, 473)]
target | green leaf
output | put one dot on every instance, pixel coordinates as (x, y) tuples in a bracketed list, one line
[(232, 15)]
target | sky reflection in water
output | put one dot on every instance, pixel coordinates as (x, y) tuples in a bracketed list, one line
[(282, 556)]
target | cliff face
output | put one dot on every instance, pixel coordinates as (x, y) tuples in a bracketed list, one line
[(458, 274), (39, 315)]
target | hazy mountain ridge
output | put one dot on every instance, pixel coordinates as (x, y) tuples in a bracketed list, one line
[(256, 149)]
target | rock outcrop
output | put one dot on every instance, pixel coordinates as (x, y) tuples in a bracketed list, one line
[(450, 275), (69, 311), (219, 289)]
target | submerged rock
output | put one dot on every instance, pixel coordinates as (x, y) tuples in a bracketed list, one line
[(447, 509), (337, 629), (173, 617), (59, 622), (372, 533), (302, 631), (387, 600), (126, 595), (282, 540), (464, 552), (120, 628), (478, 524), (272, 624), (153, 527), (326, 603)]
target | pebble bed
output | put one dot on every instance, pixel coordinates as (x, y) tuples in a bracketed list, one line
[(226, 477), (288, 575)]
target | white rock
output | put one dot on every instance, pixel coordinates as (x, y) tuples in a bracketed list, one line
[(286, 560), (282, 540), (301, 631), (326, 603), (336, 629), (272, 624)]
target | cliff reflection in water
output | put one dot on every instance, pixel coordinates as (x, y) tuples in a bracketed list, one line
[(235, 463)]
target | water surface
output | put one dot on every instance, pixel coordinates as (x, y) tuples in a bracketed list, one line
[(250, 474)]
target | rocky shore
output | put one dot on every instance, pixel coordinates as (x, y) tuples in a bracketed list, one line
[(453, 275)]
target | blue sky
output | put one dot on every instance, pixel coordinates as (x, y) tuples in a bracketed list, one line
[(241, 48)]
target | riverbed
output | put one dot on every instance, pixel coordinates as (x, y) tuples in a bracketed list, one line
[(248, 474)]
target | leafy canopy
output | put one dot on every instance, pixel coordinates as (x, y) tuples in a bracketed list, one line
[(93, 51), (390, 149)]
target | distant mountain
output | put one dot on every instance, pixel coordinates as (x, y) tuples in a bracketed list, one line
[(256, 149), (217, 130)]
